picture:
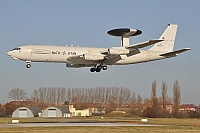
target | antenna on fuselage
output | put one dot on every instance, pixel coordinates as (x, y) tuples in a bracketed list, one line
[(124, 33)]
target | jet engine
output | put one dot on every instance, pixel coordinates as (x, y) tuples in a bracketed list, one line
[(115, 51), (93, 57)]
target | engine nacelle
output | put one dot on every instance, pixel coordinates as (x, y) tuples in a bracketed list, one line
[(75, 65), (93, 57), (115, 51)]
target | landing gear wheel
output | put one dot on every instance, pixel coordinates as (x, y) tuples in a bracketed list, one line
[(93, 69), (104, 67), (99, 67), (98, 70), (28, 65)]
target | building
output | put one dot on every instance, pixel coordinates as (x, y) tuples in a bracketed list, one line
[(59, 111), (97, 111), (188, 108), (169, 107), (75, 112), (20, 103), (26, 112)]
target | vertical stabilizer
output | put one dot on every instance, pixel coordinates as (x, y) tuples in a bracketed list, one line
[(168, 36)]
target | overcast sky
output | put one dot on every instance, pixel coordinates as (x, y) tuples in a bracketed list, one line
[(85, 23)]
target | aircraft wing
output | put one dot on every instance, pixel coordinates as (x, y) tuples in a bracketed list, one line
[(142, 44), (128, 50), (175, 53), (112, 53)]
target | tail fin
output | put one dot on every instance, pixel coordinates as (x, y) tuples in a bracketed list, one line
[(169, 37)]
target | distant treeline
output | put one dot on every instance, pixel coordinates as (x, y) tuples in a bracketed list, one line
[(102, 95), (106, 98)]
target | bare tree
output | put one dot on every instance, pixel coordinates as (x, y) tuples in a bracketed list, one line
[(107, 95), (133, 99), (35, 97), (17, 94), (127, 96), (63, 94), (139, 105), (41, 97), (2, 111), (79, 94), (164, 95), (124, 96), (103, 90), (69, 96), (154, 100), (91, 97), (147, 102), (49, 97), (53, 95), (85, 98), (42, 94), (73, 96), (176, 98), (58, 96)]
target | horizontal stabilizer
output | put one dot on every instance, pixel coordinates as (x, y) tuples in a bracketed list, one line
[(175, 53), (143, 44)]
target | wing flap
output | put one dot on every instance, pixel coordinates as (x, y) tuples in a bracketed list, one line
[(143, 44), (175, 53)]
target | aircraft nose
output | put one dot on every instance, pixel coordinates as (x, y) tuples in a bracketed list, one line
[(9, 53)]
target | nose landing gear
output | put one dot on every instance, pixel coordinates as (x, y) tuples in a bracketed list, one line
[(98, 68), (28, 65)]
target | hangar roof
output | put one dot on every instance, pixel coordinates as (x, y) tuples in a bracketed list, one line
[(63, 109), (35, 110)]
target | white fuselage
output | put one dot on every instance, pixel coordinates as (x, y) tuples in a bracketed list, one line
[(60, 54)]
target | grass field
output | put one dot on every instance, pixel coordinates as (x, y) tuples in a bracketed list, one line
[(102, 130), (172, 125)]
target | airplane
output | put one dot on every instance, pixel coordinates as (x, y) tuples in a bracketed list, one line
[(99, 58)]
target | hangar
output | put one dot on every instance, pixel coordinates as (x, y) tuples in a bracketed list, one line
[(59, 111), (26, 112)]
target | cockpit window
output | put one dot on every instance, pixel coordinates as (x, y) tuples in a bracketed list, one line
[(16, 48)]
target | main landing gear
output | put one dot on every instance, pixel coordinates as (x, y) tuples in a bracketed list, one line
[(98, 68)]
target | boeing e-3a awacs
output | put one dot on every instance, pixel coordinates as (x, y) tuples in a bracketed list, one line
[(99, 58)]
